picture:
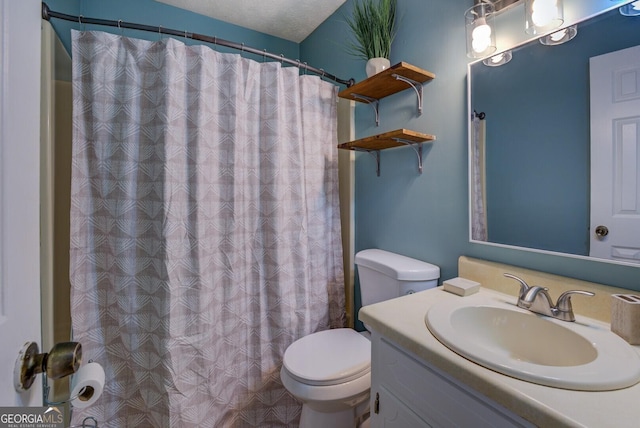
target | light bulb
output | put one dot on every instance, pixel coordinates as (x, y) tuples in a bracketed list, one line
[(543, 12), (497, 58), (558, 35), (630, 9), (543, 15), (481, 36), (479, 30)]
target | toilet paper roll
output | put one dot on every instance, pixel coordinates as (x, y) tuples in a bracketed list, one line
[(87, 385)]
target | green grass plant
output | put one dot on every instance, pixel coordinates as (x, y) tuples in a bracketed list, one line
[(373, 23)]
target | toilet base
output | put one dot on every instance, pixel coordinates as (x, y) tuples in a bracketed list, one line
[(311, 418), (349, 418)]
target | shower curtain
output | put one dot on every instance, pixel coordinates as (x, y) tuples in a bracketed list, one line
[(478, 177), (205, 233)]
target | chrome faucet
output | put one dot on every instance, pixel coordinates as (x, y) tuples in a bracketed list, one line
[(537, 299)]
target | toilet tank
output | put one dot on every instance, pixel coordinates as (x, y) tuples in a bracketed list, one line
[(385, 275)]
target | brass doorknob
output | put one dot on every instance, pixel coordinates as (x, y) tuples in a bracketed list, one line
[(602, 231)]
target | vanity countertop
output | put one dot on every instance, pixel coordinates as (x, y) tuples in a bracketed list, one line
[(402, 321)]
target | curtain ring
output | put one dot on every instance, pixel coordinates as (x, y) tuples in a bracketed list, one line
[(281, 58), (264, 55), (81, 23), (120, 27), (160, 31), (215, 42), (305, 68), (322, 72)]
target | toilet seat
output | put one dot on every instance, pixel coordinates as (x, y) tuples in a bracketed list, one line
[(328, 357)]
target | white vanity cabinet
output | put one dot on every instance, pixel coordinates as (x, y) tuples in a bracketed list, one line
[(409, 393)]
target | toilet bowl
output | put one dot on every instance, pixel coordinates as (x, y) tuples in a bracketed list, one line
[(330, 371)]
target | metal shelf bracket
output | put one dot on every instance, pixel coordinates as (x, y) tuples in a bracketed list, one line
[(376, 157), (417, 86), (417, 150), (373, 102)]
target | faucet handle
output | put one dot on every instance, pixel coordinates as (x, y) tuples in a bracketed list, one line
[(524, 287), (564, 301)]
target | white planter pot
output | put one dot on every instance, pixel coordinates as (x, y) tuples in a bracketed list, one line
[(376, 65)]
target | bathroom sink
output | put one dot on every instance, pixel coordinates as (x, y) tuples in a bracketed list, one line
[(581, 355)]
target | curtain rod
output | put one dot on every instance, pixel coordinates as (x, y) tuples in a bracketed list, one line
[(47, 14)]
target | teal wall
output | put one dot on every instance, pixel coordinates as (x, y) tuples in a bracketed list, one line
[(154, 13), (426, 216), (423, 216), (418, 215)]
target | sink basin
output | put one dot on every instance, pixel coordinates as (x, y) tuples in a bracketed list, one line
[(582, 355), (522, 337)]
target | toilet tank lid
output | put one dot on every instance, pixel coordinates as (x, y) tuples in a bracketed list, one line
[(397, 266)]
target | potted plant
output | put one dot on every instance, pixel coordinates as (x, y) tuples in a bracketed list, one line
[(373, 23)]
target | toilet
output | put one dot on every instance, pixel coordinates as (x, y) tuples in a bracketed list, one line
[(330, 371)]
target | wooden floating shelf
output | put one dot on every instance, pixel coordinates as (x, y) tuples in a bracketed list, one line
[(390, 81), (384, 83), (397, 138)]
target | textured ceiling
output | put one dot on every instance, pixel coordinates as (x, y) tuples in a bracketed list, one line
[(289, 19)]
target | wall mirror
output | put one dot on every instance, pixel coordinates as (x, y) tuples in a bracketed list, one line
[(530, 168)]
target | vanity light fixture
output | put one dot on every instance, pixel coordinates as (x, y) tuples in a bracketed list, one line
[(560, 37), (498, 60), (542, 16), (481, 38), (630, 9)]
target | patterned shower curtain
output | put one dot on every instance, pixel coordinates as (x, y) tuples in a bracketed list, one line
[(204, 229)]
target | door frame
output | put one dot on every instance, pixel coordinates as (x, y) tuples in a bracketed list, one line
[(20, 49)]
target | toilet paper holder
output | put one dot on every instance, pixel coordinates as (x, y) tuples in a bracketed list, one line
[(85, 390), (46, 389)]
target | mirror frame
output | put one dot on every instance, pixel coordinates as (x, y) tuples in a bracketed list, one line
[(507, 44)]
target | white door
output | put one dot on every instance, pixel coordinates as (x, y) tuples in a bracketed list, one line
[(615, 155), (19, 191)]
